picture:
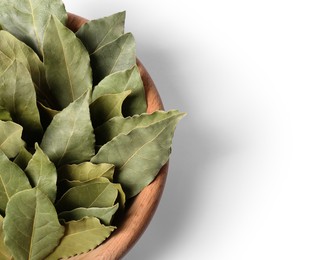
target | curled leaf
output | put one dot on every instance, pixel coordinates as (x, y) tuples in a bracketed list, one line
[(120, 81), (107, 106)]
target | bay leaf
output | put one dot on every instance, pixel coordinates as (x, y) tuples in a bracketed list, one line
[(85, 171), (4, 251), (117, 55), (12, 49), (120, 81), (80, 237), (27, 19), (46, 114), (65, 185), (10, 138), (105, 215), (139, 155), (120, 125), (121, 199), (67, 63), (42, 173), (99, 32), (18, 96), (107, 106), (12, 180), (31, 226), (23, 157), (5, 115), (69, 138), (88, 195)]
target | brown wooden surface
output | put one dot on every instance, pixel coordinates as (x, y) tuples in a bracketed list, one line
[(143, 206)]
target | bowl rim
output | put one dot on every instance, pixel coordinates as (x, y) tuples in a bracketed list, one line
[(142, 207)]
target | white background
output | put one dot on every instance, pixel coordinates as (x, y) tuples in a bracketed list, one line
[(250, 173)]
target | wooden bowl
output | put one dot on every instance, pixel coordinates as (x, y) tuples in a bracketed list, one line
[(141, 208)]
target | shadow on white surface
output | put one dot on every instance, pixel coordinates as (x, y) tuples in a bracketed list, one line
[(194, 148)]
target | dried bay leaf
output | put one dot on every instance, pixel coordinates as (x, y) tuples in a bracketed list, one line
[(4, 251), (12, 49), (10, 138), (31, 226), (67, 63), (65, 185), (18, 96), (117, 55), (105, 215), (96, 33), (85, 172), (88, 195), (42, 173), (12, 180), (27, 19), (120, 125), (120, 81), (80, 237), (107, 106), (46, 114), (139, 155), (23, 157), (5, 115), (69, 138)]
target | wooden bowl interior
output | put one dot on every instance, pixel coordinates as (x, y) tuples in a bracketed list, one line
[(141, 208)]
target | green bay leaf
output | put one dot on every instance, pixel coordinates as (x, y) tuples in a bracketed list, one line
[(105, 215), (31, 226), (12, 180), (121, 81), (18, 96), (67, 63), (69, 138), (11, 141), (117, 55), (42, 173), (80, 237), (107, 106), (99, 32), (27, 19), (139, 155), (88, 195)]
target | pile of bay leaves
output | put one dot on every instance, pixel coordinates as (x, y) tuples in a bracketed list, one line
[(75, 139)]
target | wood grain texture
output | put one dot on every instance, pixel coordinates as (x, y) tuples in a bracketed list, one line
[(141, 209)]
